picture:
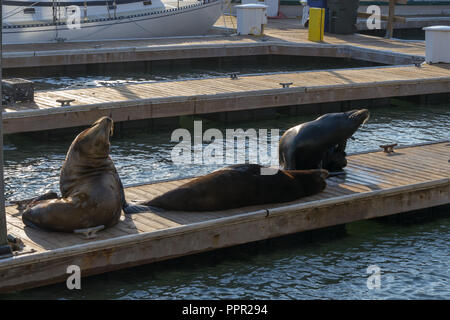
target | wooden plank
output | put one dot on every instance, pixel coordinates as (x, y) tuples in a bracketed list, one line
[(397, 172), (212, 95), (409, 162)]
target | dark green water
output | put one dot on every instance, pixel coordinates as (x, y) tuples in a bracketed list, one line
[(137, 72), (414, 259)]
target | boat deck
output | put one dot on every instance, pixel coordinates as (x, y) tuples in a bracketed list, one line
[(376, 184), (221, 94)]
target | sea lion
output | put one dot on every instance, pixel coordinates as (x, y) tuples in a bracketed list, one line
[(92, 193), (320, 143), (237, 186)]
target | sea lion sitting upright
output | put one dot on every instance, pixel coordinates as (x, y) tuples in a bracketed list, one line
[(92, 193), (237, 186), (320, 143)]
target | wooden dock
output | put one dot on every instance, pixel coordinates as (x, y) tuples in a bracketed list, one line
[(211, 95), (194, 97), (377, 184), (282, 36)]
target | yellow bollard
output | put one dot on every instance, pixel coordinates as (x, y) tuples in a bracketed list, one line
[(316, 24)]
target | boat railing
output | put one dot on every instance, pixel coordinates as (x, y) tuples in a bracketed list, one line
[(108, 16)]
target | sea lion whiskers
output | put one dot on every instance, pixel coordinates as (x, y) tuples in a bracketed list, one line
[(363, 114)]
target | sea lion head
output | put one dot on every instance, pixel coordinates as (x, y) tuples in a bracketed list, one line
[(343, 125), (94, 141), (357, 117)]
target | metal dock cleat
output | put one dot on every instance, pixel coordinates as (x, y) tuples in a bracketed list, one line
[(418, 62), (89, 233), (286, 84), (388, 148), (65, 102), (234, 76)]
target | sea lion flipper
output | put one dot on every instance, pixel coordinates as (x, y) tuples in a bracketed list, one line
[(24, 204), (139, 208), (336, 173), (122, 191)]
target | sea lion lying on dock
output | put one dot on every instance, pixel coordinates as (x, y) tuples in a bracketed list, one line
[(320, 143), (92, 193), (237, 186)]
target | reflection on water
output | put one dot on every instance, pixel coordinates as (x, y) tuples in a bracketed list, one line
[(414, 259), (139, 72)]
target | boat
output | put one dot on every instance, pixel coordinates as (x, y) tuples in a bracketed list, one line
[(47, 21)]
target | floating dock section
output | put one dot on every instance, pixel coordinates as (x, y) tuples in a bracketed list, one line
[(195, 97), (58, 109), (377, 184), (282, 36)]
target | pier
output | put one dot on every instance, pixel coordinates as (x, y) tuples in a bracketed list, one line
[(222, 94), (377, 184), (56, 109), (281, 36)]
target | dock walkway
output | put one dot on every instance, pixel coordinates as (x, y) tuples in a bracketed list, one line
[(222, 94), (377, 184), (192, 97), (282, 36)]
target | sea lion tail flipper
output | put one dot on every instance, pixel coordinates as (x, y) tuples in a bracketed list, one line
[(336, 173), (24, 204), (139, 208), (47, 196)]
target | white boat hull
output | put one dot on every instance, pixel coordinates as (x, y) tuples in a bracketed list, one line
[(185, 21)]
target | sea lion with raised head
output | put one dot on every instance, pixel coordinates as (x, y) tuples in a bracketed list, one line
[(238, 186), (320, 143), (92, 193)]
